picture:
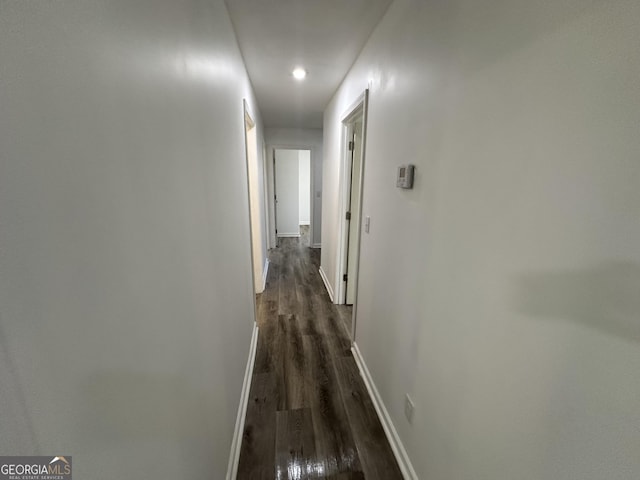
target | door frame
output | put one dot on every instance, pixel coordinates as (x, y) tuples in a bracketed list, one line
[(357, 109), (248, 124), (271, 152), (265, 188)]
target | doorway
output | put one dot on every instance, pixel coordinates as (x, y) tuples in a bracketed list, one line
[(354, 133), (292, 187), (353, 210), (258, 252)]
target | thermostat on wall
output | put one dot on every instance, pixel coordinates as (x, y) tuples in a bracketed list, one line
[(405, 176)]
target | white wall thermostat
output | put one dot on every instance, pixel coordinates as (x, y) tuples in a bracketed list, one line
[(405, 176)]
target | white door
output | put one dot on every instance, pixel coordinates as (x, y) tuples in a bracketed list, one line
[(287, 178), (354, 213)]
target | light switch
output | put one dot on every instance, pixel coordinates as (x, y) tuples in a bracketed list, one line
[(367, 221)]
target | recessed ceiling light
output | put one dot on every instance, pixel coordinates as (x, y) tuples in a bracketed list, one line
[(299, 73)]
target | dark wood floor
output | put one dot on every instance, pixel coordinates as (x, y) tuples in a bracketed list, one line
[(309, 413)]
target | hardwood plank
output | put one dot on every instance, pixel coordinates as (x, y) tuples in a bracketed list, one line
[(266, 346), (293, 359), (307, 310), (332, 328), (348, 476), (298, 265), (378, 461), (267, 311), (258, 439), (334, 441), (345, 312), (280, 351), (268, 299), (278, 358), (287, 287), (295, 445)]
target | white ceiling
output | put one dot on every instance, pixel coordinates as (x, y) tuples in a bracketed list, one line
[(323, 36)]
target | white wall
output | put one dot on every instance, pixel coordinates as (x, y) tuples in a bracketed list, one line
[(287, 186), (502, 291), (305, 138), (126, 303), (304, 188)]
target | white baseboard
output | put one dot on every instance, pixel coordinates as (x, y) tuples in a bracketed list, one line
[(305, 223), (265, 271), (288, 235), (316, 245), (327, 285), (389, 429), (234, 455)]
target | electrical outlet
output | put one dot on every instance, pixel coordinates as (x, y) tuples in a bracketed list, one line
[(408, 408), (367, 223)]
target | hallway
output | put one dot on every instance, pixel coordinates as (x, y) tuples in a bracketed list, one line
[(309, 413), (497, 318)]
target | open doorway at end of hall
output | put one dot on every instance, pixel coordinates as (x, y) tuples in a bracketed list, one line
[(293, 201)]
